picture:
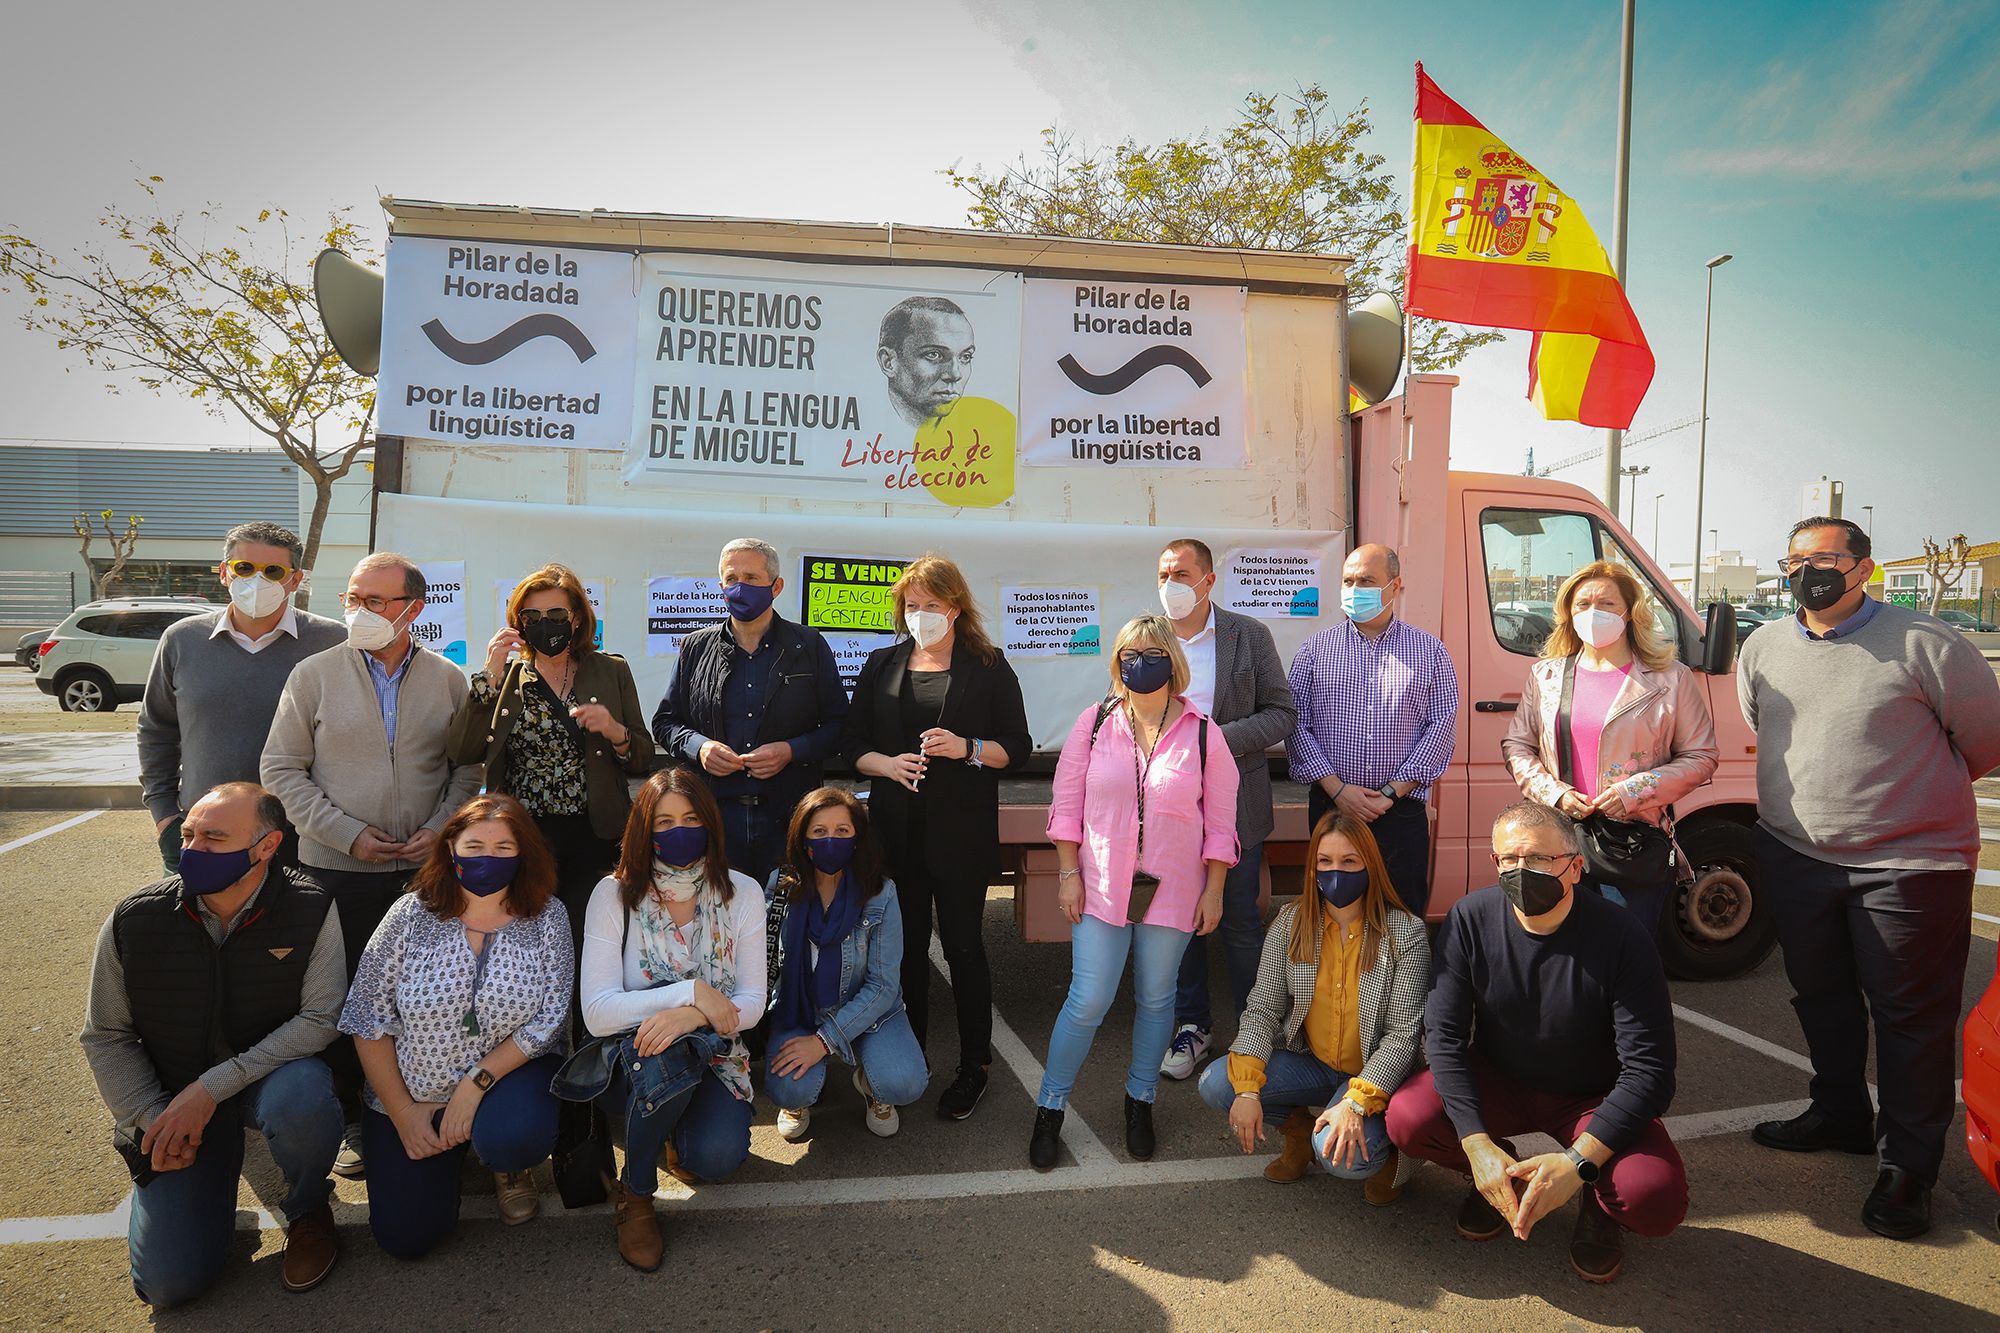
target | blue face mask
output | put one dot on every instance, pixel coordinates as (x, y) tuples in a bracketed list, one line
[(484, 876), (747, 601), (1363, 604), (681, 845), (831, 855), (1143, 675), (203, 873), (1341, 887)]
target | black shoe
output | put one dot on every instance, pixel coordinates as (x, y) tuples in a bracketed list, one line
[(1809, 1131), (1478, 1219), (1597, 1247), (1899, 1206), (1138, 1128), (1046, 1143), (957, 1101)]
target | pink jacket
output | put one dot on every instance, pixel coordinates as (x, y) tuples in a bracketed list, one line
[(1658, 744), (1190, 815)]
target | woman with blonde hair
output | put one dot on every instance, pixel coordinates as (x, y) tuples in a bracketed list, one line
[(1143, 818), (936, 717), (1612, 730), (1333, 1021)]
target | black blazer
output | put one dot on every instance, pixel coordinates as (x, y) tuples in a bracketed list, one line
[(961, 803)]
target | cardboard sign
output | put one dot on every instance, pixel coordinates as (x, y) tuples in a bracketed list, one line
[(676, 606), (1270, 584), (1050, 622), (848, 592)]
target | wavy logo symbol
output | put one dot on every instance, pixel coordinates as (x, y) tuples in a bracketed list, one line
[(505, 341), (1140, 366)]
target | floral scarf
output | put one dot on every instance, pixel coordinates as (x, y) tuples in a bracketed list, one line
[(705, 949)]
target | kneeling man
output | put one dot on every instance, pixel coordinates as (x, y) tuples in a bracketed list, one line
[(1550, 1013)]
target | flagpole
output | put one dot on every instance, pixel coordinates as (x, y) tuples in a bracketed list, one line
[(1614, 440)]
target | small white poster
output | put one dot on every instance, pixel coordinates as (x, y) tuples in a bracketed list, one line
[(593, 590), (1137, 375), (676, 606), (1271, 584), (1050, 622), (850, 653), (441, 628)]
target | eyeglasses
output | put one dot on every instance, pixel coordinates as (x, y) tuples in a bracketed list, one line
[(1150, 654), (378, 605), (243, 569), (1839, 560), (1544, 864), (558, 615)]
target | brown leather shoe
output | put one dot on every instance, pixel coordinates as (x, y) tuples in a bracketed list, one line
[(1381, 1188), (517, 1196), (670, 1162), (1289, 1166), (1597, 1249), (1478, 1219), (640, 1243), (311, 1246)]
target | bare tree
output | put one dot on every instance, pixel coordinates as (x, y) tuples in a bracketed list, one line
[(121, 549), (1945, 566)]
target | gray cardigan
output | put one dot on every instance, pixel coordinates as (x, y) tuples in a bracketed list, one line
[(1254, 708), (328, 757)]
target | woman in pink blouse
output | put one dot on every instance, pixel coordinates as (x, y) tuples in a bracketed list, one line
[(1144, 823)]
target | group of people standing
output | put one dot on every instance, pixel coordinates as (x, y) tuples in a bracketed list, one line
[(409, 915)]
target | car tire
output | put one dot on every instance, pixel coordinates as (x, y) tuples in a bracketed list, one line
[(86, 690), (1719, 926)]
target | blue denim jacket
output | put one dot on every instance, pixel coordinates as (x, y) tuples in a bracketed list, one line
[(871, 973)]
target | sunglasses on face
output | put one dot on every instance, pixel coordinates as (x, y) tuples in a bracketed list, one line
[(556, 615), (243, 569)]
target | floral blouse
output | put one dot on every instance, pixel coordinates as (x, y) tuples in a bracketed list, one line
[(544, 761), (416, 984)]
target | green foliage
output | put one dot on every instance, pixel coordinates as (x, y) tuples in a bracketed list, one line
[(1288, 175)]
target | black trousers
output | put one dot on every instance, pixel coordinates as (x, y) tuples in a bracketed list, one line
[(1403, 832), (582, 859), (363, 898), (1891, 943), (958, 901)]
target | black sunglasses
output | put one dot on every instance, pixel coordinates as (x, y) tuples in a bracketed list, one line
[(557, 614)]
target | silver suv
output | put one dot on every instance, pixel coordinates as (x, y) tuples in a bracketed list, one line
[(99, 657)]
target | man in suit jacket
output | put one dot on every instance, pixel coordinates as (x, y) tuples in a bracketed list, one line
[(1237, 679)]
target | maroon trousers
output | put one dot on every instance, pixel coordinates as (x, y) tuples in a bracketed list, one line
[(1643, 1189)]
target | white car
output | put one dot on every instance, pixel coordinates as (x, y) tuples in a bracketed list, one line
[(99, 657)]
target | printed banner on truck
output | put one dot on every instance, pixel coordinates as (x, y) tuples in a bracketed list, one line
[(1270, 584), (1050, 622), (677, 606), (829, 382), (491, 343), (1132, 374), (441, 628)]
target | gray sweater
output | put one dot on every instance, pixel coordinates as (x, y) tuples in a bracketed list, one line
[(1867, 746), (209, 704), (329, 759)]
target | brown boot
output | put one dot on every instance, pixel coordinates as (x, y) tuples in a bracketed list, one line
[(1381, 1188), (640, 1243), (311, 1246), (1289, 1166), (670, 1162)]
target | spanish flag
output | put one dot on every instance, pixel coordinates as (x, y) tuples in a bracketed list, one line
[(1493, 242)]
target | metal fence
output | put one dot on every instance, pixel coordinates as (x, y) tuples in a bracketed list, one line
[(36, 596), (1984, 608)]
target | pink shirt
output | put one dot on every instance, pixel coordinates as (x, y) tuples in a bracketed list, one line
[(1190, 815), (1589, 705)]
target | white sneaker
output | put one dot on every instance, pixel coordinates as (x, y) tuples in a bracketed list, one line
[(1190, 1044), (347, 1162), (792, 1125), (883, 1119)]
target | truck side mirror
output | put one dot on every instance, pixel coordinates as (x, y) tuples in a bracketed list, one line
[(1718, 641)]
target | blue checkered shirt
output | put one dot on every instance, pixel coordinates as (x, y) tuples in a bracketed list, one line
[(1373, 711)]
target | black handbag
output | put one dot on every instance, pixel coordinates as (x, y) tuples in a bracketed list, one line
[(1625, 853), (582, 1161)]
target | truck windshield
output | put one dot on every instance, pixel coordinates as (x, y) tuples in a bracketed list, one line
[(1530, 552)]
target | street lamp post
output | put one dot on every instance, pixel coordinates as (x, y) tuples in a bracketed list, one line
[(1632, 507), (1701, 449), (1656, 523), (1870, 511)]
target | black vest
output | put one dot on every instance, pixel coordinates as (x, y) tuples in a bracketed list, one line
[(195, 1005)]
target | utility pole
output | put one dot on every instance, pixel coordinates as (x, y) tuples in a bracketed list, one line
[(1631, 515), (1614, 440)]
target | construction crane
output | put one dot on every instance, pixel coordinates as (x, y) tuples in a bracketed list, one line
[(1598, 452)]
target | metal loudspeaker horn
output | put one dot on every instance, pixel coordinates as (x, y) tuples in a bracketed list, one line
[(1375, 346), (350, 309)]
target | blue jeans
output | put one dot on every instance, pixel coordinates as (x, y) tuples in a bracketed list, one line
[(709, 1127), (1242, 936), (1292, 1082), (889, 1056), (413, 1205), (1647, 904), (183, 1221), (1097, 961), (754, 836)]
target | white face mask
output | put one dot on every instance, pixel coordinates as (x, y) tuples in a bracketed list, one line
[(368, 631), (256, 596), (1599, 629), (1178, 599), (928, 628)]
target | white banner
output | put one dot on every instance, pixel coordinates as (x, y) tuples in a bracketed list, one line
[(1270, 584), (506, 344), (838, 382), (441, 628), (1050, 622), (1128, 374), (676, 606)]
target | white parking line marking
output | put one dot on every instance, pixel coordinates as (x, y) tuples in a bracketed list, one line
[(1742, 1038), (1989, 920), (70, 823), (1987, 879)]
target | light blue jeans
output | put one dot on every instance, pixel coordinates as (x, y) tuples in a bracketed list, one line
[(889, 1055), (1097, 961), (1294, 1081)]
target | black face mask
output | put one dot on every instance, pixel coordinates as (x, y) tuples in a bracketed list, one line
[(1817, 589), (547, 637), (1533, 891)]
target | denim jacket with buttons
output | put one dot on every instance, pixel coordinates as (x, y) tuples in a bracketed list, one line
[(871, 971)]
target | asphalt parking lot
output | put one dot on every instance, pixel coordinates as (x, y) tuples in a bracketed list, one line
[(946, 1225)]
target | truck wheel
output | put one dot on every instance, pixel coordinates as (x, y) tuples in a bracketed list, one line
[(1717, 927), (85, 690)]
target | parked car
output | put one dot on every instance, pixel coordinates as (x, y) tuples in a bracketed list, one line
[(27, 650), (1750, 617), (99, 657), (1966, 621)]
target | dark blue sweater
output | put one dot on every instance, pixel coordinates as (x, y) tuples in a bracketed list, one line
[(1583, 1012)]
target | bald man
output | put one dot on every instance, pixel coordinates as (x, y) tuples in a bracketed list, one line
[(1377, 699)]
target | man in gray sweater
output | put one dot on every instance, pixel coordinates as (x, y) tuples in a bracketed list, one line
[(215, 681), (358, 753), (1872, 723)]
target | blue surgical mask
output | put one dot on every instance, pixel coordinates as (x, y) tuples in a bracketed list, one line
[(682, 845), (1363, 604), (203, 873), (484, 876), (747, 601), (831, 855), (1341, 887), (1143, 675)]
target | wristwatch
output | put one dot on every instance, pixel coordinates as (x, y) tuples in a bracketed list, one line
[(1388, 789), (1586, 1170), (482, 1077)]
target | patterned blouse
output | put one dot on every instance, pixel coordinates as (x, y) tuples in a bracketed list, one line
[(544, 761), (416, 983)]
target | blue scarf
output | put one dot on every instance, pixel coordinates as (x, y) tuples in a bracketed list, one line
[(801, 997)]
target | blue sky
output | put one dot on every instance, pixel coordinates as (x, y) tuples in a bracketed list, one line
[(1848, 155)]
